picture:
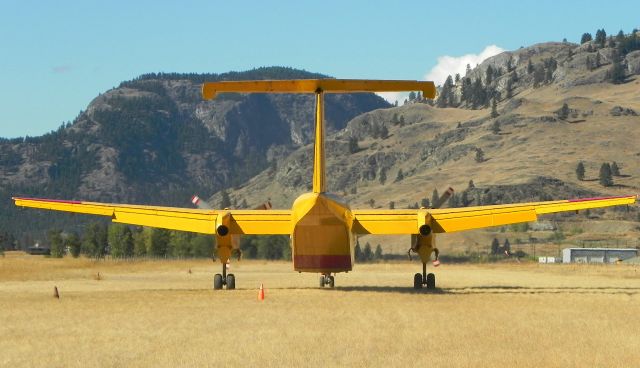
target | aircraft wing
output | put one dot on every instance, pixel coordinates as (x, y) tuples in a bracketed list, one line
[(174, 218), (448, 220)]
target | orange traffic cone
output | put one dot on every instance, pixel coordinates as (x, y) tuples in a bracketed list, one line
[(261, 293)]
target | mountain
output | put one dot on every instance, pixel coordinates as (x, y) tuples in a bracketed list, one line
[(155, 140), (531, 148)]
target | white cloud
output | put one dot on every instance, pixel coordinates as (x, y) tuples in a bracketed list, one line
[(392, 97), (450, 65)]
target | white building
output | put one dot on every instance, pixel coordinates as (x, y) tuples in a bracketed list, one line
[(597, 255)]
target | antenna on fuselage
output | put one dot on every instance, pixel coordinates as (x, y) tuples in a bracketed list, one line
[(319, 87)]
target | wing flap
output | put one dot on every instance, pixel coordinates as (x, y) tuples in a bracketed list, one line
[(385, 222)]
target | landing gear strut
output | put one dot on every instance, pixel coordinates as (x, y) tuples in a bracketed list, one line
[(424, 278), (224, 279), (327, 280)]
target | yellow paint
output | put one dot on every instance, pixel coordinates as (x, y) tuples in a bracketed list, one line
[(212, 89), (318, 147)]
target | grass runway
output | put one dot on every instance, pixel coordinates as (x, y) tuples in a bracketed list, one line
[(157, 314)]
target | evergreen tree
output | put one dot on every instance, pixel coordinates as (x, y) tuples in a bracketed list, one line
[(179, 244), (56, 244), (446, 97), (479, 155), (202, 246), (401, 120), (457, 79), (495, 246), (353, 145), (509, 88), (605, 176), (489, 75), (601, 37), (510, 66), (586, 37), (467, 90), (225, 200), (367, 254), (424, 202), (399, 176), (467, 70), (435, 196), (140, 242), (471, 185), (412, 96), (120, 241), (615, 170), (383, 176), (529, 67), (506, 247), (479, 94), (377, 255), (384, 132), (392, 205), (589, 63), (494, 109), (454, 201), (464, 199), (580, 171), (158, 242), (495, 127), (538, 76), (563, 114), (616, 73), (359, 256), (72, 242), (94, 241), (394, 119)]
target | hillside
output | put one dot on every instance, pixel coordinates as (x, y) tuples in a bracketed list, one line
[(154, 140), (533, 156)]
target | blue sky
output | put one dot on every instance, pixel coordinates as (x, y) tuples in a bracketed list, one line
[(57, 56)]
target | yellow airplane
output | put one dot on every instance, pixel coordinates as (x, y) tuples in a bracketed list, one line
[(322, 227)]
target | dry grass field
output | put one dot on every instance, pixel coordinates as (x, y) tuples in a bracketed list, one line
[(157, 314)]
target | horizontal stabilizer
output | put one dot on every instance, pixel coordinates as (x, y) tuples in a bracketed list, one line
[(211, 89)]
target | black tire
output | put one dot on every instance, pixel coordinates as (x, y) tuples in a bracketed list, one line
[(417, 281), (322, 281), (217, 282), (331, 282), (231, 282), (431, 281)]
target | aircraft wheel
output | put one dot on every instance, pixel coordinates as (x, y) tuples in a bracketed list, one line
[(322, 281), (331, 281), (217, 281), (431, 281), (417, 281), (231, 282)]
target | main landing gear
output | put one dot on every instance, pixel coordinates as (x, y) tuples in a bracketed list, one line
[(327, 280), (424, 278), (224, 279)]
